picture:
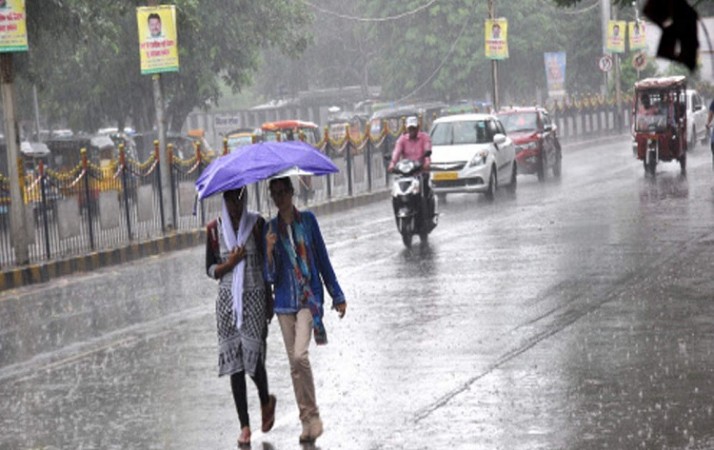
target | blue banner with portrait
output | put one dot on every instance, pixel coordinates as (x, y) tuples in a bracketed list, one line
[(555, 73)]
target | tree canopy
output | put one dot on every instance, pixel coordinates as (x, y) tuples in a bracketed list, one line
[(84, 56)]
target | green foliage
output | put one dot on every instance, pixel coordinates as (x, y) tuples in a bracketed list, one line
[(84, 57)]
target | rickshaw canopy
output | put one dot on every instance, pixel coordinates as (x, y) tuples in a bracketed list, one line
[(662, 82)]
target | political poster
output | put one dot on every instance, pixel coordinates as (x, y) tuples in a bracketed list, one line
[(158, 44), (496, 38), (636, 32), (13, 28), (555, 73), (616, 36)]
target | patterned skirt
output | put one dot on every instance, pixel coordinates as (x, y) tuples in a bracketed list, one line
[(240, 350)]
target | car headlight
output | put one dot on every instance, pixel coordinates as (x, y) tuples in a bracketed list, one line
[(532, 145), (479, 159)]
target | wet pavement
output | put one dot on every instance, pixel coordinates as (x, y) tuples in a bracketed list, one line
[(575, 314)]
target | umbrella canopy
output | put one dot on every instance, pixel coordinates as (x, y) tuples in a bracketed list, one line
[(261, 161)]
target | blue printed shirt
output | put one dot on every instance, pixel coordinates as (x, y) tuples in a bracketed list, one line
[(280, 273)]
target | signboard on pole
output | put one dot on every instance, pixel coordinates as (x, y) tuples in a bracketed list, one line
[(616, 36), (157, 39), (605, 63), (555, 73), (13, 29), (496, 38), (639, 61), (636, 32)]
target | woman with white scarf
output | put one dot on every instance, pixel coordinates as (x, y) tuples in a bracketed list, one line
[(234, 256)]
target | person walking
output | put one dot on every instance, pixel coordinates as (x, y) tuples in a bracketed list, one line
[(297, 263), (234, 256)]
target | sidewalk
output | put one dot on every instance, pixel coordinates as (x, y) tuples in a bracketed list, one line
[(16, 277)]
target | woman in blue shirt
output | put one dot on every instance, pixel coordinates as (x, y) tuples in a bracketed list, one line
[(297, 264)]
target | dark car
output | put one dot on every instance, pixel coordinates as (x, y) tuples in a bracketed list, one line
[(536, 139)]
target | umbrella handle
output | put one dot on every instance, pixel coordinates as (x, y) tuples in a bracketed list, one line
[(195, 204)]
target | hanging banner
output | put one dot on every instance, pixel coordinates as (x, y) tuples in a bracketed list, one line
[(637, 35), (13, 29), (616, 36), (555, 73), (496, 38), (157, 39)]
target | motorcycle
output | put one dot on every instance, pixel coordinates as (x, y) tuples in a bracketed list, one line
[(413, 213)]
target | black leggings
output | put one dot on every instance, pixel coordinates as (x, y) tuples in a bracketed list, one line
[(240, 396)]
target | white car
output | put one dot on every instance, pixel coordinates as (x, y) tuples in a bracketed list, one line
[(471, 153), (696, 119)]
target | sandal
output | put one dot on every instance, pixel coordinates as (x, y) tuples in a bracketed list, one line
[(268, 411), (244, 438)]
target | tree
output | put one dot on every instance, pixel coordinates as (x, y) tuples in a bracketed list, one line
[(84, 56)]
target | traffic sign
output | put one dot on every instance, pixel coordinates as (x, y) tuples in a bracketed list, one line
[(639, 61), (605, 63)]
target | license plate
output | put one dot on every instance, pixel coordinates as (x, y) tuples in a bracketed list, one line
[(443, 176)]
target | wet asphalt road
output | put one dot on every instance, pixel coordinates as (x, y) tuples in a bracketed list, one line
[(575, 314)]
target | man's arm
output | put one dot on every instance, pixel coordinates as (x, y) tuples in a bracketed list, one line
[(396, 153), (427, 147)]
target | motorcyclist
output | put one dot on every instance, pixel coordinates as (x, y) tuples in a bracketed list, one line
[(413, 145)]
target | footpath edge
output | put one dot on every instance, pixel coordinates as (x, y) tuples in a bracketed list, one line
[(42, 272)]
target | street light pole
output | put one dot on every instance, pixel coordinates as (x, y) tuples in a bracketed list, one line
[(494, 63), (164, 163), (18, 221)]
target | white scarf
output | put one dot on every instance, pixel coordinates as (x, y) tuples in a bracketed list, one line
[(233, 240)]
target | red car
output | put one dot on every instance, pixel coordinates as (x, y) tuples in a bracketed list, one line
[(536, 140)]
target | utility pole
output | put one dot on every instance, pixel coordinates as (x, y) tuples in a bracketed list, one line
[(164, 163), (618, 91), (18, 223), (494, 63), (604, 20)]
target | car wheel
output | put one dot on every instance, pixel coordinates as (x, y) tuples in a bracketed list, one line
[(542, 166), (492, 185), (514, 180)]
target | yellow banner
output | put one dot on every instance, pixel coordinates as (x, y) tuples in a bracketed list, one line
[(158, 44), (616, 36), (496, 38), (13, 29), (637, 35)]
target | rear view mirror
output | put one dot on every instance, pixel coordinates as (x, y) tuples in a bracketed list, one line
[(499, 138)]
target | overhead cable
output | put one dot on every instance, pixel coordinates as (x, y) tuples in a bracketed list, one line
[(370, 19)]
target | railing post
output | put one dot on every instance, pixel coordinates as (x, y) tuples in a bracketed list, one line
[(43, 198), (199, 161), (326, 138), (172, 184), (368, 152), (348, 156), (87, 200), (124, 187), (225, 146), (157, 156)]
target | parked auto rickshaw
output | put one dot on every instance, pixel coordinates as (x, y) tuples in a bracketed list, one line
[(660, 121)]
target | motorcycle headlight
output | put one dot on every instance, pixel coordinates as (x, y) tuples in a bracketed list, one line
[(479, 159), (406, 187)]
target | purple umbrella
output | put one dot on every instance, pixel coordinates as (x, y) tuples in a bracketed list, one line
[(261, 161)]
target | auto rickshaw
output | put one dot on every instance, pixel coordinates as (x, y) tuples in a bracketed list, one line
[(660, 121)]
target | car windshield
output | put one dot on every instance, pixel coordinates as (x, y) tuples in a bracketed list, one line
[(239, 141), (515, 122), (456, 133)]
